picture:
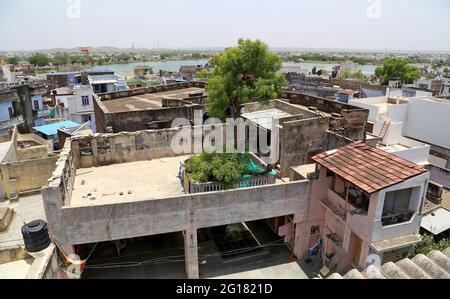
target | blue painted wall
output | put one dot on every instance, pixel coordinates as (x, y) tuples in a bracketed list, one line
[(4, 114)]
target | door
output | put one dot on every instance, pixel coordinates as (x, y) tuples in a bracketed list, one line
[(358, 248)]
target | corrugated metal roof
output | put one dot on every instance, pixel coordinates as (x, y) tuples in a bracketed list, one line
[(435, 265), (52, 129), (367, 167), (437, 222)]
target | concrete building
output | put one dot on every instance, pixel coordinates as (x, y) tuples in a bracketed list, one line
[(27, 162), (421, 119), (123, 187), (22, 105), (107, 83), (363, 202), (75, 104), (125, 205), (148, 108), (7, 113), (50, 131)]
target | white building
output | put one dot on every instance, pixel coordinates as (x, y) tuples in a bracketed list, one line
[(108, 83), (425, 119), (76, 104)]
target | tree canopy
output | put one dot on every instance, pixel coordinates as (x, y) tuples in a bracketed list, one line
[(12, 60), (398, 70), (348, 74), (242, 74), (39, 59)]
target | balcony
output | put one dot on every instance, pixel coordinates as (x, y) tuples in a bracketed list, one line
[(11, 122), (397, 218)]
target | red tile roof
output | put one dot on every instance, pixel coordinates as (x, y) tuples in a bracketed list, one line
[(367, 167)]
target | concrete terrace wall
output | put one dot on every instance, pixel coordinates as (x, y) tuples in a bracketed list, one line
[(439, 175), (154, 89), (355, 118), (26, 175), (427, 120), (96, 223), (106, 149), (301, 139), (141, 120)]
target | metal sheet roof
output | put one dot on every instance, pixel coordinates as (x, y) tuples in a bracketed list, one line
[(437, 222), (52, 129)]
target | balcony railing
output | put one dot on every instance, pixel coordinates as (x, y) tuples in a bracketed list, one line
[(396, 218), (254, 181), (11, 122)]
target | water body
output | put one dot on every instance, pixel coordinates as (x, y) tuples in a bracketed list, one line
[(169, 65), (174, 66), (367, 69)]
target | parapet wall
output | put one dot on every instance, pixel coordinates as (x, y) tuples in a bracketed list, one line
[(354, 119), (106, 149), (153, 89)]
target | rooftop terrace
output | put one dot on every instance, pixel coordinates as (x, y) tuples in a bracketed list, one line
[(148, 100), (124, 182)]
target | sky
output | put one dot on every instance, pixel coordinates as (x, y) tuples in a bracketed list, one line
[(345, 24)]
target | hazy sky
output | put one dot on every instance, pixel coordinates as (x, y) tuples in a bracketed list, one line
[(400, 24)]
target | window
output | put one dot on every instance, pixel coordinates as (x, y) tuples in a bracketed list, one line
[(396, 207), (85, 118), (10, 111), (85, 100), (357, 198), (338, 186)]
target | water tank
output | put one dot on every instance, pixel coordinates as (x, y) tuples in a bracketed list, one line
[(35, 236)]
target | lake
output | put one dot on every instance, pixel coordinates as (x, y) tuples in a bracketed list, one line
[(174, 66)]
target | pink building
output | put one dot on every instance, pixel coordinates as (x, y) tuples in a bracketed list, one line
[(364, 208)]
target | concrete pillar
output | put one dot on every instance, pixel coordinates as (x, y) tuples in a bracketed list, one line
[(191, 253)]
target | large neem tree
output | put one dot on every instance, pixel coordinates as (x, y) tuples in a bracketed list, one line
[(243, 74), (397, 69)]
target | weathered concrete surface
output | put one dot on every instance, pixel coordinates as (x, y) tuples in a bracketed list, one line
[(300, 140), (97, 223), (284, 271)]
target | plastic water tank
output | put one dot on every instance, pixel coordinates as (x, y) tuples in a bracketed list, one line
[(35, 235)]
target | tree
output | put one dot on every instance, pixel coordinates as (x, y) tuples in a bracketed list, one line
[(61, 59), (429, 244), (246, 73), (12, 60), (39, 59), (397, 69), (445, 70)]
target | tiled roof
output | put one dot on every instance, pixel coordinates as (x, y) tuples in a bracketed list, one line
[(434, 265), (367, 167)]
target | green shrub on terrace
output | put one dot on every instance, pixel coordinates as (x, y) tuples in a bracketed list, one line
[(224, 168)]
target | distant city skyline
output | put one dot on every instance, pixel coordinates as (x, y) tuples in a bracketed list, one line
[(377, 25)]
